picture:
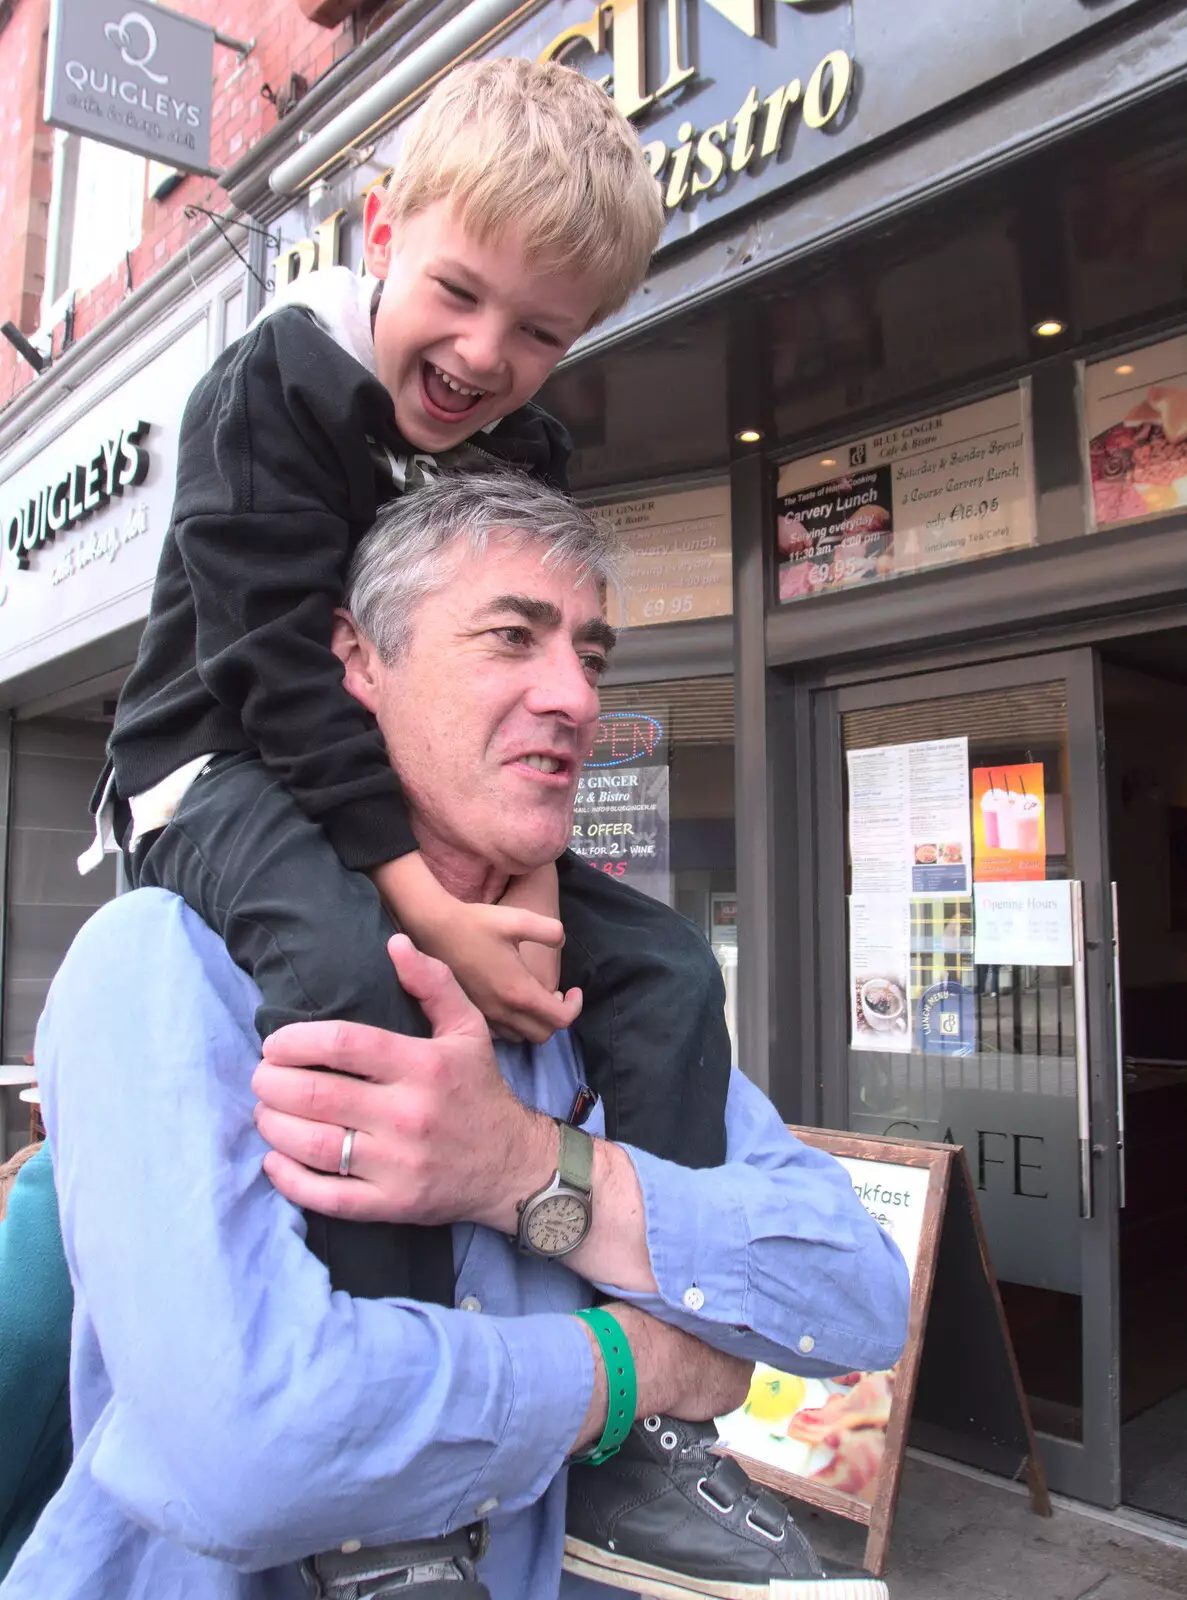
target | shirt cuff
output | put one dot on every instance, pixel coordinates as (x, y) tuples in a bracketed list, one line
[(551, 1368)]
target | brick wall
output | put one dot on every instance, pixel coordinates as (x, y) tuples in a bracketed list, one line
[(285, 42)]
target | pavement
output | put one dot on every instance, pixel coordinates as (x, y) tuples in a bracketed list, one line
[(961, 1536)]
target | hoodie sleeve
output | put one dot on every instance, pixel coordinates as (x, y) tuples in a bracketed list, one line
[(275, 483)]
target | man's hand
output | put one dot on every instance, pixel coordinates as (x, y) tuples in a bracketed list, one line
[(675, 1375), (439, 1137), (484, 946)]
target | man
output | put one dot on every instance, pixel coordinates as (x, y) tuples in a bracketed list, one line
[(232, 1414)]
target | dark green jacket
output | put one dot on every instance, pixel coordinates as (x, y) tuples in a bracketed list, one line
[(35, 1308)]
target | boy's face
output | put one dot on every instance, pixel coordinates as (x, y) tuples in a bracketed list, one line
[(465, 331)]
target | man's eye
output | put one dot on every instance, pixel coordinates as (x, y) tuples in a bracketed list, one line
[(595, 663), (515, 634)]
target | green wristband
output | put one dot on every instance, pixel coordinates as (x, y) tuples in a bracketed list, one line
[(620, 1384)]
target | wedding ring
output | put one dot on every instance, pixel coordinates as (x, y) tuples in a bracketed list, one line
[(347, 1152)]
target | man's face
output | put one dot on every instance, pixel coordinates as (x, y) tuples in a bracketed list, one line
[(490, 711), (466, 331)]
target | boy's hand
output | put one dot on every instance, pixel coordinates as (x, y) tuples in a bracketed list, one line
[(481, 945)]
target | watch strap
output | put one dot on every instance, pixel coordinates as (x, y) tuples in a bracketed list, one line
[(575, 1163)]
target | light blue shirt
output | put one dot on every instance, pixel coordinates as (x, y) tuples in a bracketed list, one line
[(232, 1414)]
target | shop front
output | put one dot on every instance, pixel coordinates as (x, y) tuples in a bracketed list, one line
[(90, 457), (953, 430)]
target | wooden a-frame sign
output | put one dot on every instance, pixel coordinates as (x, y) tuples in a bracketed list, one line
[(956, 1389)]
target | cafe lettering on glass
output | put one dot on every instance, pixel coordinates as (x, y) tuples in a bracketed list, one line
[(677, 563), (621, 813)]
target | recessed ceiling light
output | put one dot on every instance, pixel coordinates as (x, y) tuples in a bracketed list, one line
[(1124, 370), (828, 461), (749, 436), (1049, 327)]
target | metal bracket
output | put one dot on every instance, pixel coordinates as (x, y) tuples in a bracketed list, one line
[(221, 224), (241, 49)]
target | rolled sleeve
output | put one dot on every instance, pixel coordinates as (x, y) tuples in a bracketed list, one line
[(772, 1256)]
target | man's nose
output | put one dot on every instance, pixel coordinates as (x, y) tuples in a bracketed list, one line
[(562, 688)]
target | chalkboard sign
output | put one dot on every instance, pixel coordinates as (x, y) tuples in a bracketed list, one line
[(839, 1444)]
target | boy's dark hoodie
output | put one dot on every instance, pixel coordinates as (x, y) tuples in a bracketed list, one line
[(288, 449)]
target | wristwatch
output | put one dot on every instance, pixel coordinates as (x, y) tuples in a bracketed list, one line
[(555, 1219)]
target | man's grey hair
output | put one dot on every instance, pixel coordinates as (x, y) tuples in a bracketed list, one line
[(405, 555)]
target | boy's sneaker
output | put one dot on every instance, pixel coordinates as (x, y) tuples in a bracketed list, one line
[(666, 1517)]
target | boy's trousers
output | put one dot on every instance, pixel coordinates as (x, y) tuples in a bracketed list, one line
[(313, 935)]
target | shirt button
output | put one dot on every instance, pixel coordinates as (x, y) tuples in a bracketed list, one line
[(471, 1302), (693, 1298), (807, 1344), (485, 1507), (351, 1547)]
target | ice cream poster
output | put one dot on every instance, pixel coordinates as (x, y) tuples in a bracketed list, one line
[(1009, 824), (950, 487), (833, 1430), (1135, 413)]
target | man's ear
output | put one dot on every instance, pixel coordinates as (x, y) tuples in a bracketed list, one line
[(377, 234), (360, 661)]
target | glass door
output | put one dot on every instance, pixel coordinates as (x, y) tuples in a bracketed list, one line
[(967, 951)]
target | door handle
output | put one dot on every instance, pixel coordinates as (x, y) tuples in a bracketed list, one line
[(1119, 1052), (1083, 1076)]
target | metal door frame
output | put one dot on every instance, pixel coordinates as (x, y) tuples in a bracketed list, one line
[(1090, 1468)]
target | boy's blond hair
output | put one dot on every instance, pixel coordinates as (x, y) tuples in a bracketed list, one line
[(537, 145)]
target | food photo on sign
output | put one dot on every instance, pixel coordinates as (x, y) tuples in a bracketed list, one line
[(1135, 411), (832, 1431)]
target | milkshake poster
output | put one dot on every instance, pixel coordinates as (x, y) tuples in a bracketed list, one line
[(1009, 824)]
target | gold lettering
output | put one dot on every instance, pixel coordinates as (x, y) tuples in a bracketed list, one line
[(591, 34), (655, 154), (839, 66), (678, 73), (678, 182), (628, 47), (743, 121), (326, 239), (778, 105), (711, 156), (744, 14), (294, 262)]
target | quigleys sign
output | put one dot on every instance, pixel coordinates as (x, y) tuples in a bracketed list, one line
[(140, 78), (83, 488)]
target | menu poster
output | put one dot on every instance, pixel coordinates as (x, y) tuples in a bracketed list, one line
[(909, 818), (880, 972), (677, 561), (620, 816), (1135, 415), (942, 976), (950, 487), (1009, 824)]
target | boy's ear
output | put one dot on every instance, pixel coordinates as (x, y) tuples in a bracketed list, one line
[(377, 234), (359, 659)]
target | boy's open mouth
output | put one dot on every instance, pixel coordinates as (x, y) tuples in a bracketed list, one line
[(446, 398)]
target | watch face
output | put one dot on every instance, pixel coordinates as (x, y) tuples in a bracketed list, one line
[(556, 1224)]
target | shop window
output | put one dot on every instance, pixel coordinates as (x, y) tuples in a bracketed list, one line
[(677, 562), (96, 214), (656, 805), (657, 405)]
